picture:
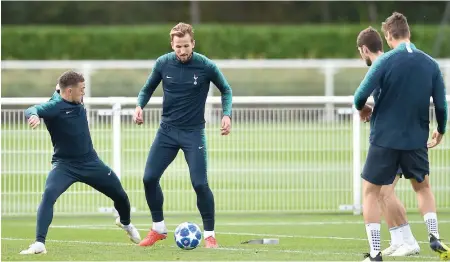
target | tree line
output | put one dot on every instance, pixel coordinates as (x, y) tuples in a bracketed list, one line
[(131, 12)]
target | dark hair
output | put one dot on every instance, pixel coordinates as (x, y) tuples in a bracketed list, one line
[(371, 39), (70, 78), (397, 26)]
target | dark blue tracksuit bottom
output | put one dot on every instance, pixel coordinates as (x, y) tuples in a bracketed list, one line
[(168, 141)]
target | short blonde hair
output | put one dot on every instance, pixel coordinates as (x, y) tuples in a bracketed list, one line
[(181, 29)]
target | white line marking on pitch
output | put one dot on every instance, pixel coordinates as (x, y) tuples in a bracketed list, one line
[(232, 233), (246, 224), (220, 248), (300, 223)]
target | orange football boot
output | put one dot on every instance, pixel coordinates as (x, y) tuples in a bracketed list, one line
[(211, 242), (151, 238)]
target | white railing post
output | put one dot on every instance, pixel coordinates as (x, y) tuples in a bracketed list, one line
[(117, 142), (86, 71), (356, 163), (209, 106), (330, 70)]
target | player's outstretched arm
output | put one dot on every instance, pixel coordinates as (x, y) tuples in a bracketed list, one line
[(147, 91), (46, 111), (440, 108), (226, 95)]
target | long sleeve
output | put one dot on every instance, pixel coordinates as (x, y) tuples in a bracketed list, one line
[(370, 82), (225, 89), (440, 102), (46, 110), (56, 96), (150, 85)]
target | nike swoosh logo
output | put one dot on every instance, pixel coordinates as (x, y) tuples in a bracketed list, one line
[(168, 77)]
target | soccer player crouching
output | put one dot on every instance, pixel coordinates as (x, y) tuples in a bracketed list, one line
[(74, 158), (407, 78), (185, 76)]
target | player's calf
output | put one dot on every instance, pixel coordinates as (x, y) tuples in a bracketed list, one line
[(154, 196), (372, 218), (403, 242), (56, 184), (427, 204), (206, 206)]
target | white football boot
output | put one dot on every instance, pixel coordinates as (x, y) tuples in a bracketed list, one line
[(131, 230), (34, 249), (390, 250), (407, 250)]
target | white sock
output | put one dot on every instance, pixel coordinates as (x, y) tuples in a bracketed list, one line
[(408, 236), (160, 227), (432, 223), (373, 235), (207, 234), (40, 243), (396, 236)]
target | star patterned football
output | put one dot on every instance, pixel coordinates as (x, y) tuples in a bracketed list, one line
[(188, 236)]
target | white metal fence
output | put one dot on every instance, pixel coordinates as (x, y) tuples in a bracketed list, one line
[(289, 74), (284, 155)]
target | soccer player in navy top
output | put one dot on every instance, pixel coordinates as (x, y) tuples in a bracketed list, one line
[(407, 78), (74, 158), (403, 243), (185, 76)]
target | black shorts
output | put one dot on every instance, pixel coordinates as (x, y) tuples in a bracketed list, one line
[(383, 164)]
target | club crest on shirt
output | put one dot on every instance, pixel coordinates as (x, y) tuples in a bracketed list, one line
[(195, 79)]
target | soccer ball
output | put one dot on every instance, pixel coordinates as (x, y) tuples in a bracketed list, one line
[(188, 236)]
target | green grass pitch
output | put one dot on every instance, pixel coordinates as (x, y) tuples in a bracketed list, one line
[(303, 237)]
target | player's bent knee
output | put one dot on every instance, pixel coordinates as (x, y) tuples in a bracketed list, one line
[(150, 179), (201, 187), (420, 186), (120, 196), (50, 196)]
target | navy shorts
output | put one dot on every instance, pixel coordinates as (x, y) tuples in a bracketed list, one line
[(383, 164)]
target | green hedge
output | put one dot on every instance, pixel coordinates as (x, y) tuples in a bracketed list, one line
[(216, 41)]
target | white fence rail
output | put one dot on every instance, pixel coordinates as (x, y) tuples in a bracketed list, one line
[(296, 73), (284, 155)]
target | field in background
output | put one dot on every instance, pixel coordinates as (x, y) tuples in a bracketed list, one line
[(245, 82), (275, 160), (302, 237)]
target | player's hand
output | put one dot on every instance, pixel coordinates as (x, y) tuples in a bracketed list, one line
[(226, 125), (34, 121), (138, 116), (436, 138), (365, 113)]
